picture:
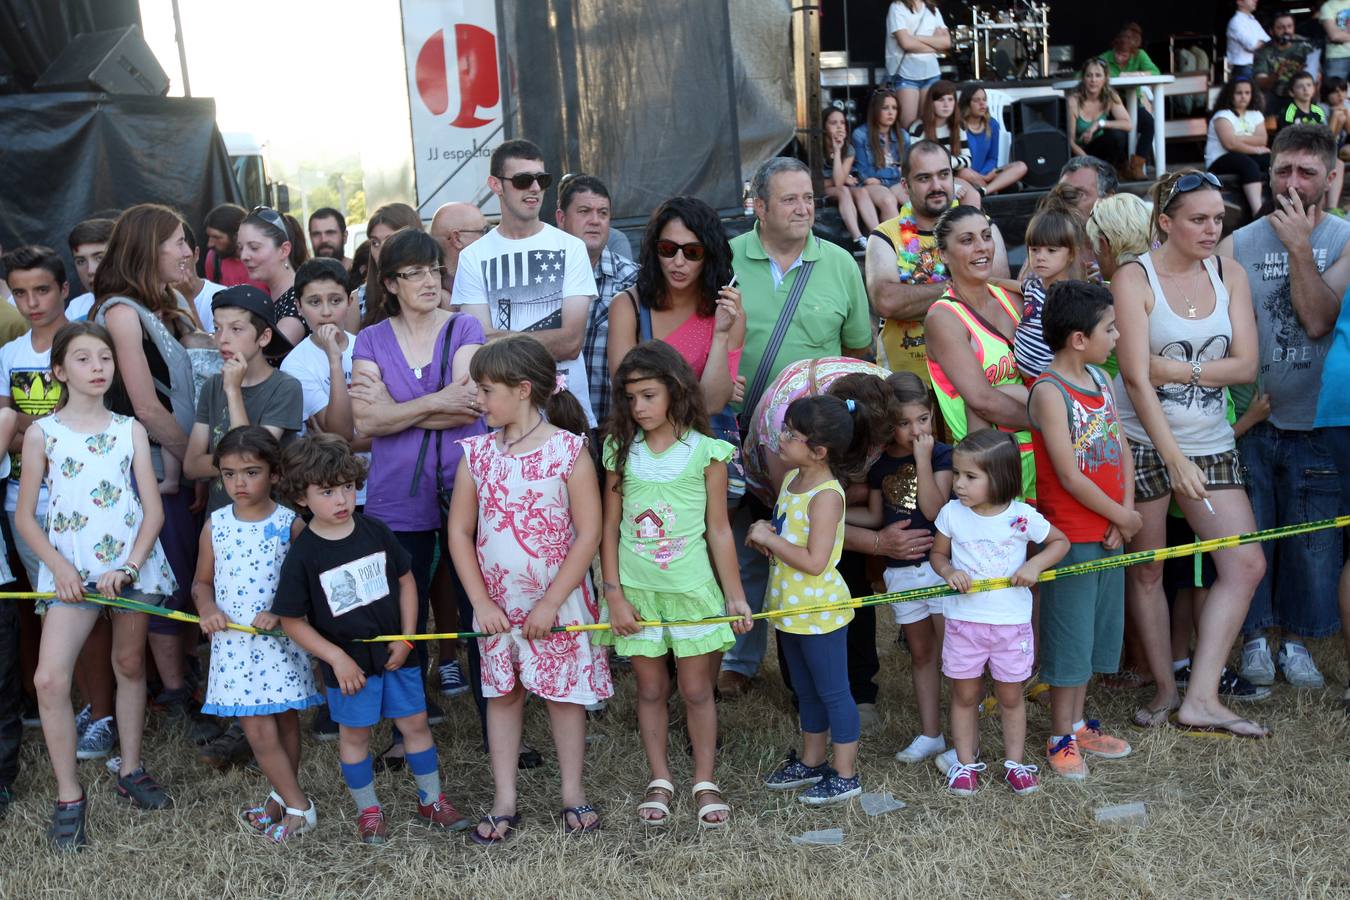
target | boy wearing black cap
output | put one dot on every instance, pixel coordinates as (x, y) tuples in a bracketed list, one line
[(248, 391)]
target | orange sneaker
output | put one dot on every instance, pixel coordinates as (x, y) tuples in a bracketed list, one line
[(1091, 740), (1065, 760)]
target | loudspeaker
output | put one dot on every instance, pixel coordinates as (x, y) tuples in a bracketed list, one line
[(117, 61), (1034, 112), (1045, 151)]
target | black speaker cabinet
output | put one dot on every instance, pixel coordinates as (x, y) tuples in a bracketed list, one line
[(1037, 112), (117, 61), (1045, 151)]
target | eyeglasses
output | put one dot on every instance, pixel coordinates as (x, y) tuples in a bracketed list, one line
[(1192, 181), (693, 251), (273, 218), (788, 435), (521, 181), (420, 272)]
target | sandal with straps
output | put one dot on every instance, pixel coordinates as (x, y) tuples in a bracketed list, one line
[(708, 787), (657, 784), (579, 813), (280, 832), (256, 817)]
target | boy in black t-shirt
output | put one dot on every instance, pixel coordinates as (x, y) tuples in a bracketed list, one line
[(346, 579)]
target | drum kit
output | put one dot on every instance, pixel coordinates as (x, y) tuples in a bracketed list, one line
[(1010, 42)]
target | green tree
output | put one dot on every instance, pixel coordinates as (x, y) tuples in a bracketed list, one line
[(356, 206), (322, 196)]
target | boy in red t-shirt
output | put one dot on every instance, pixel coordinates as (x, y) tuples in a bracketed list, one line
[(1085, 487)]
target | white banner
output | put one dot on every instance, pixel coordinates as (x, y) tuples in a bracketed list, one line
[(454, 97)]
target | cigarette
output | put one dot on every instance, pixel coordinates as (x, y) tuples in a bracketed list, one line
[(732, 282), (1209, 507)]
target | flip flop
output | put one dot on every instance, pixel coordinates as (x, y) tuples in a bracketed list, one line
[(1152, 717), (579, 812), (1221, 730), (494, 822)]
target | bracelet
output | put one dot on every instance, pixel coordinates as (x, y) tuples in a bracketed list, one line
[(1195, 372), (129, 570), (411, 645), (876, 544)]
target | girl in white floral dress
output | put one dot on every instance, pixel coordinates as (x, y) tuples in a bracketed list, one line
[(102, 536)]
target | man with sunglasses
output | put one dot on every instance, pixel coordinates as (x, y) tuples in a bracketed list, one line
[(526, 276), (1298, 269)]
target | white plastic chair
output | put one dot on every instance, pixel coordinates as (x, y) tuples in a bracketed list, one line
[(998, 102)]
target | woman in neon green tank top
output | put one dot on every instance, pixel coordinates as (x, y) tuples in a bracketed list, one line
[(969, 332)]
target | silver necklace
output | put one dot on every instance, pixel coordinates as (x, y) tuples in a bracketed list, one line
[(507, 445)]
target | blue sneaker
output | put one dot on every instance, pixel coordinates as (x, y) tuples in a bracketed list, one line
[(794, 774), (452, 679), (97, 740), (83, 719), (832, 789)]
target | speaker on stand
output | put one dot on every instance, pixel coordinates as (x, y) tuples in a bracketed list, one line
[(117, 61), (1045, 151)]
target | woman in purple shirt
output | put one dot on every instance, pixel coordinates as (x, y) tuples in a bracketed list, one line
[(411, 393)]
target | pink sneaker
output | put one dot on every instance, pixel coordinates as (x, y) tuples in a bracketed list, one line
[(1021, 778), (963, 779)]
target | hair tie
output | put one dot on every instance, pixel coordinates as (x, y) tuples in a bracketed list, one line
[(560, 383), (851, 405)]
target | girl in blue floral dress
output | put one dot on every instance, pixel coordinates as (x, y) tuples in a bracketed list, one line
[(263, 680)]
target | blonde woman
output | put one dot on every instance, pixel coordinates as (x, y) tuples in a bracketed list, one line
[(1098, 123), (1118, 232)]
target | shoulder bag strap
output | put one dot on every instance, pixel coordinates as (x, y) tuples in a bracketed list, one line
[(426, 432), (780, 328)]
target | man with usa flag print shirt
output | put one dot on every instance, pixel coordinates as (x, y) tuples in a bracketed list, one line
[(528, 277)]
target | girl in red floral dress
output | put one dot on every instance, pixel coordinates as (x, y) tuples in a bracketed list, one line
[(525, 525)]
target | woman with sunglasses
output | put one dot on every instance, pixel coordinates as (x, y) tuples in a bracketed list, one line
[(1236, 143), (1187, 332), (265, 250), (878, 151), (684, 292)]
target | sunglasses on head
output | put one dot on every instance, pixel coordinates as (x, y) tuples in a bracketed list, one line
[(521, 181), (273, 218), (692, 251), (1192, 181)]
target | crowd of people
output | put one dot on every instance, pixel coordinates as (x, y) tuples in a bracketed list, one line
[(450, 438)]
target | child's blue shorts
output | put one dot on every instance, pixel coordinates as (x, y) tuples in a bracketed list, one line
[(392, 695)]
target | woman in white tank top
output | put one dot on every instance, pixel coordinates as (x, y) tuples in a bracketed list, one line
[(1187, 332)]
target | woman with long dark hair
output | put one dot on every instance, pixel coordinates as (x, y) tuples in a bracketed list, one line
[(387, 220), (1236, 143), (684, 297), (879, 151), (265, 249), (940, 122)]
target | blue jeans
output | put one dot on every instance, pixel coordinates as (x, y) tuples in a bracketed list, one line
[(819, 667), (745, 657), (1244, 72), (1292, 478), (1336, 68)]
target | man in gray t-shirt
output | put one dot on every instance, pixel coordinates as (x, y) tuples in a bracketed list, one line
[(1294, 262)]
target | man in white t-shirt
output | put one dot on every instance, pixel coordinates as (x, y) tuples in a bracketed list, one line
[(322, 362), (1245, 37), (197, 290), (88, 242), (1335, 18), (37, 276), (528, 277)]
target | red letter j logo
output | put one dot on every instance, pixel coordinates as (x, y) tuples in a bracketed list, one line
[(479, 87)]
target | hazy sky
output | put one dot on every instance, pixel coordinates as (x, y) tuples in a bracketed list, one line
[(295, 73)]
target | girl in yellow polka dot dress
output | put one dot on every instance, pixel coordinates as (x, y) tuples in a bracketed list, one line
[(826, 439)]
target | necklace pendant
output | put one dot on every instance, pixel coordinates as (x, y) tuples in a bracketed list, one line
[(417, 370), (1190, 313)]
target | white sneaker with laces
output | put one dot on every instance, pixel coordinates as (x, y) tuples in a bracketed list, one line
[(921, 748), (1298, 667), (1257, 665)]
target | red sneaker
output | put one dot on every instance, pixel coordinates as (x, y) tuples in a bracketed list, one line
[(963, 779), (372, 826), (1021, 778), (442, 813)]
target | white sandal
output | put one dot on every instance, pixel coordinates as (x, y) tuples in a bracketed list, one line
[(279, 833), (657, 784), (256, 817), (710, 788)]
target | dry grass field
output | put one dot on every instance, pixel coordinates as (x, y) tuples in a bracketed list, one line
[(1226, 818)]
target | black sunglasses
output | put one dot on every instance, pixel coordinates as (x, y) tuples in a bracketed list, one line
[(273, 218), (521, 181), (692, 251), (1192, 181)]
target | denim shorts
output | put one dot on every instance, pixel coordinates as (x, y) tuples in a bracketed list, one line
[(896, 83), (41, 606)]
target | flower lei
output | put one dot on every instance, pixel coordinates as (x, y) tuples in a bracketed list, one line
[(917, 265)]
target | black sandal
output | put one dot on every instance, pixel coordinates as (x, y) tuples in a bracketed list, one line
[(68, 830), (494, 822)]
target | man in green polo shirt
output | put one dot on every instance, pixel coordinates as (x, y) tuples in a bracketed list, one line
[(831, 318)]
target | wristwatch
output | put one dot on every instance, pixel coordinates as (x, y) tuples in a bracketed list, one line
[(1195, 373)]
